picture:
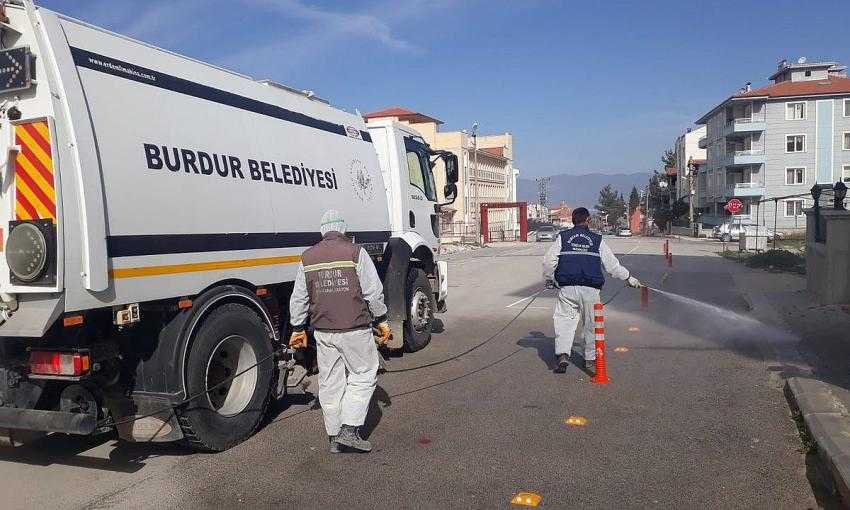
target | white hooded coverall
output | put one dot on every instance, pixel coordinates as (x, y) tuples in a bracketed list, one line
[(575, 303), (348, 360)]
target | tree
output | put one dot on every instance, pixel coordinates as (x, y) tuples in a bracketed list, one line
[(661, 210), (611, 205), (634, 200), (669, 157)]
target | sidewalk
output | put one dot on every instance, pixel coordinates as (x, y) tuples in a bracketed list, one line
[(816, 370)]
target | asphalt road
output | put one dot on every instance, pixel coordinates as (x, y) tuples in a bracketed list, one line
[(692, 419)]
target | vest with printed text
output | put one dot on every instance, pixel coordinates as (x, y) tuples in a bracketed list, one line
[(579, 262), (336, 298)]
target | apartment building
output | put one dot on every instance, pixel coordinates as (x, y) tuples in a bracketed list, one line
[(772, 144), (687, 149), (493, 180)]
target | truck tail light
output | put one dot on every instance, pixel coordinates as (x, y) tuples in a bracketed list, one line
[(71, 364)]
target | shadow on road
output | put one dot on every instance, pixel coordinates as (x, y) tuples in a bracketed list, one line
[(61, 449), (544, 345), (380, 399)]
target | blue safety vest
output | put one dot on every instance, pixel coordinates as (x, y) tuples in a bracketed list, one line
[(579, 262)]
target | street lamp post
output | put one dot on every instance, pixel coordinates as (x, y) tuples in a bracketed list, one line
[(691, 194), (476, 172)]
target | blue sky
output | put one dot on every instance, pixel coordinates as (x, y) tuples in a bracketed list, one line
[(584, 86)]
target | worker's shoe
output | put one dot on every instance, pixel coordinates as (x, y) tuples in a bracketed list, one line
[(349, 436), (563, 363), (334, 446), (590, 367)]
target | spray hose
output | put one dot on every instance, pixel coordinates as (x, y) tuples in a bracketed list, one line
[(290, 352)]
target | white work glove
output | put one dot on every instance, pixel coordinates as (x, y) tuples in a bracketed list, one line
[(634, 283)]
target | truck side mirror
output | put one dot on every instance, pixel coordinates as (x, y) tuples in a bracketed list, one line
[(451, 167), (450, 192)]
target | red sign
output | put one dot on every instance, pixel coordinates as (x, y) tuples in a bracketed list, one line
[(734, 206)]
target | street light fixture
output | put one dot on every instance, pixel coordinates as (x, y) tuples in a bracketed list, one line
[(840, 190)]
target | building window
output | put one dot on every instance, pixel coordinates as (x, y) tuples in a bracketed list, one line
[(847, 107), (795, 175), (845, 173), (795, 111), (846, 144), (795, 143), (793, 208), (808, 74)]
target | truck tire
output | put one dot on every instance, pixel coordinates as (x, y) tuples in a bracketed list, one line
[(230, 339), (419, 300)]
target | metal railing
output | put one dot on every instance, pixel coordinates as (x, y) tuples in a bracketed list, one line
[(746, 152), (745, 120), (745, 185)]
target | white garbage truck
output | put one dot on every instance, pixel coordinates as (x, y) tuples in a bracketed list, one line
[(153, 211)]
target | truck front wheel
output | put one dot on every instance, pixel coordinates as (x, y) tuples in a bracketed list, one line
[(227, 411), (420, 311)]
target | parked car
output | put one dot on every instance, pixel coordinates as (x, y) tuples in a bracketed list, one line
[(546, 233), (624, 232), (731, 231)]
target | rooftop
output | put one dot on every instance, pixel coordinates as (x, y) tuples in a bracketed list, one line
[(402, 114), (832, 85)]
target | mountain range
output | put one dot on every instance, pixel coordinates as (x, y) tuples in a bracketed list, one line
[(581, 190)]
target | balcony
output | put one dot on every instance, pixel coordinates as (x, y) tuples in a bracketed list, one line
[(744, 125), (703, 142), (744, 158), (745, 189)]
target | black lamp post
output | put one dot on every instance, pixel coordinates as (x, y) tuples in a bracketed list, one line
[(816, 191), (840, 190)]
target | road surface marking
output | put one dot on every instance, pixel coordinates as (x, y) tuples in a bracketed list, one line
[(520, 301), (526, 499), (635, 247), (576, 421), (634, 329), (621, 349)]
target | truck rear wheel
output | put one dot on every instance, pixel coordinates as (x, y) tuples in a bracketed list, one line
[(420, 311), (229, 341)]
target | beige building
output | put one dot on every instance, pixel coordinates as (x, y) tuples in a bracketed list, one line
[(493, 180)]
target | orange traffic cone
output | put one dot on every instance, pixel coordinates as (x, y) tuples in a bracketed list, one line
[(601, 376)]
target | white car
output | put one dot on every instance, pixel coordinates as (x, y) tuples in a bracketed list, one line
[(624, 232), (728, 232)]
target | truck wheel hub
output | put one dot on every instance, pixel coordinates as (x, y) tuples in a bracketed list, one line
[(420, 311), (231, 356)]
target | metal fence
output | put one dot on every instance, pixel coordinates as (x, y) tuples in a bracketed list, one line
[(461, 232)]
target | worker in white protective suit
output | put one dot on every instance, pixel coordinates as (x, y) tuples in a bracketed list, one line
[(338, 288), (574, 265)]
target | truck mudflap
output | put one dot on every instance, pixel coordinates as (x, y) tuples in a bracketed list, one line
[(47, 421)]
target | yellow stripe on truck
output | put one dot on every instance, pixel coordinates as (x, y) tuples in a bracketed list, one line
[(136, 272)]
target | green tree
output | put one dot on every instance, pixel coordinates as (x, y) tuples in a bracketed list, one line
[(611, 205), (662, 209), (634, 200)]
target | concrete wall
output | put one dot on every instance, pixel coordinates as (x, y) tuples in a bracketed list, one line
[(828, 263)]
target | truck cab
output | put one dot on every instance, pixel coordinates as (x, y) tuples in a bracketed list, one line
[(407, 165)]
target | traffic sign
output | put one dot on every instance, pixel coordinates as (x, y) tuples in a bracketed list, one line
[(734, 206)]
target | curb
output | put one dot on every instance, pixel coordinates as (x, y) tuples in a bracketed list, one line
[(828, 423)]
